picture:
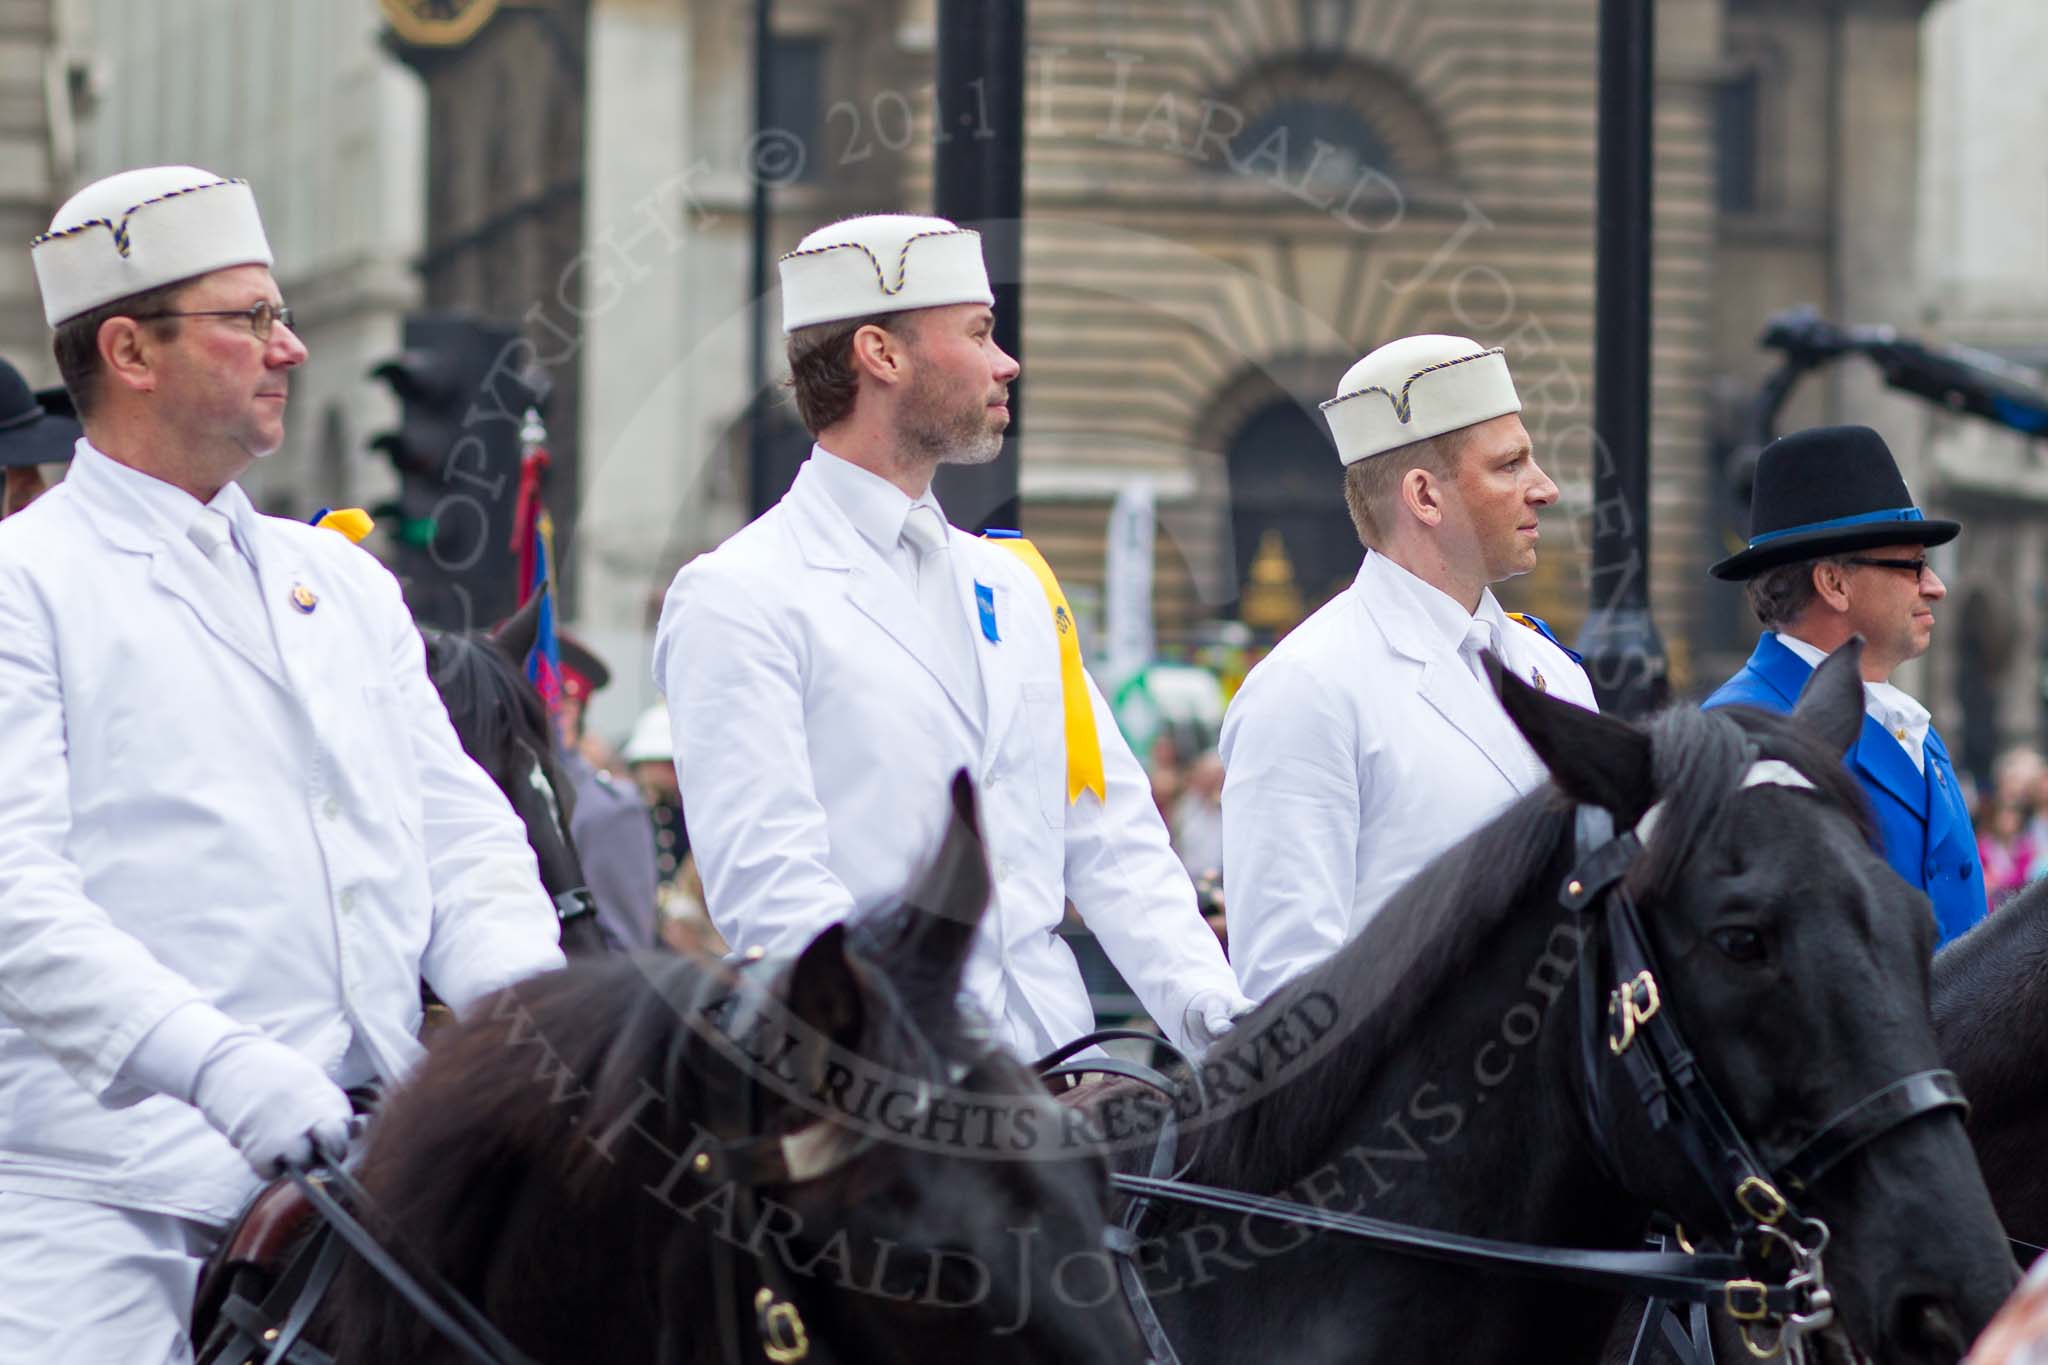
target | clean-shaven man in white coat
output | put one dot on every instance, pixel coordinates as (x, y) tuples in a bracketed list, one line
[(831, 666), (238, 827), (1369, 740)]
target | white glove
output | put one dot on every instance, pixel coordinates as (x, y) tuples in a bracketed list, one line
[(1211, 1014), (273, 1104)]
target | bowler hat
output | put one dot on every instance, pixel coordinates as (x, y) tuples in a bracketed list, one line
[(35, 427), (1827, 491)]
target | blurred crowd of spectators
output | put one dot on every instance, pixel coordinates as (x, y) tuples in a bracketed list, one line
[(2011, 820), (644, 764), (1187, 786)]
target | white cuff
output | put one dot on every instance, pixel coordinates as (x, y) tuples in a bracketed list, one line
[(168, 1058), (475, 984)]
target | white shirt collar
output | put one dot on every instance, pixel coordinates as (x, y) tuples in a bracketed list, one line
[(1447, 617), (1905, 719), (169, 508), (875, 507)]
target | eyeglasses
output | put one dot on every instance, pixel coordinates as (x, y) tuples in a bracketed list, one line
[(262, 316), (1916, 566)]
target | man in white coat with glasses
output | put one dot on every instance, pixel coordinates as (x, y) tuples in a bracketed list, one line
[(239, 828), (830, 667), (1370, 739)]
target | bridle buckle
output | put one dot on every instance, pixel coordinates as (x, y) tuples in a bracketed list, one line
[(1745, 1300), (1770, 1350), (1633, 1003), (783, 1339), (1760, 1200)]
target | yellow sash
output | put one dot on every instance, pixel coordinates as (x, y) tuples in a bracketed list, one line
[(1084, 745)]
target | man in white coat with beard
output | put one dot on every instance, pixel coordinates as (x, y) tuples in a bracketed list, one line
[(1370, 740), (830, 667), (238, 828)]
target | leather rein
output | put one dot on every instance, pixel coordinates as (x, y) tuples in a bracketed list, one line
[(1628, 1026)]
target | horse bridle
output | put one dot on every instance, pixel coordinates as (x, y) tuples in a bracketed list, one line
[(575, 902), (821, 1148), (1677, 1098), (738, 1151), (1637, 1031)]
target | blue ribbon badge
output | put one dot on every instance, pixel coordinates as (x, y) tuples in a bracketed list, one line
[(985, 600)]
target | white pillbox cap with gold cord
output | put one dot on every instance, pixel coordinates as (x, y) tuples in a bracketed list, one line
[(1417, 387)]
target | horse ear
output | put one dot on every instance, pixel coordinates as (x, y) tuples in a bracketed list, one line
[(517, 632), (1593, 758), (823, 990), (1831, 703), (923, 941), (946, 904)]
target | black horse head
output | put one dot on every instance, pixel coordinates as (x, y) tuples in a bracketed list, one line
[(616, 1160), (1441, 1068), (1797, 968), (503, 724)]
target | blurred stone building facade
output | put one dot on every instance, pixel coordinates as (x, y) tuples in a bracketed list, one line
[(1982, 282), (37, 146), (1228, 201), (303, 102)]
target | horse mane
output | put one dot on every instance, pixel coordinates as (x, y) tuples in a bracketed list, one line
[(479, 681), (1438, 924), (494, 705)]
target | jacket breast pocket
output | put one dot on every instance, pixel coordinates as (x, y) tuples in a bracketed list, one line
[(387, 756), (1045, 717)]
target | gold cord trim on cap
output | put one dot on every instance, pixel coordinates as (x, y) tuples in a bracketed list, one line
[(902, 257), (120, 229), (1400, 400)]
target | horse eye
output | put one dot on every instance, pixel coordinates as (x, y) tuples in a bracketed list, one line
[(1740, 945)]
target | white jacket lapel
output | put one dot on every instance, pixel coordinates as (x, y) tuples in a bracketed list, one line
[(192, 580), (1458, 696), (176, 564), (872, 586), (284, 578), (1447, 684)]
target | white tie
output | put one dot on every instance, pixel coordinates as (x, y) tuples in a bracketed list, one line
[(1478, 636), (242, 594), (925, 535)]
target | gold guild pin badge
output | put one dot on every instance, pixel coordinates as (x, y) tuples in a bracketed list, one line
[(303, 599), (1535, 676)]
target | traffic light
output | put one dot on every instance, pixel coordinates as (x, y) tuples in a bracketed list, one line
[(464, 393)]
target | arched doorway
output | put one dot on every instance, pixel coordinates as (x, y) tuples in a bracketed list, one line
[(1287, 510)]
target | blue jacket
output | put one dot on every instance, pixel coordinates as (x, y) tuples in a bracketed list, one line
[(1922, 818)]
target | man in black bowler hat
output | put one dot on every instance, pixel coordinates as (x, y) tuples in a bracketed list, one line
[(1837, 549), (36, 429)]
